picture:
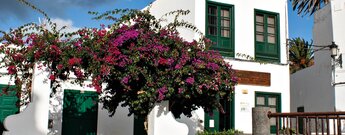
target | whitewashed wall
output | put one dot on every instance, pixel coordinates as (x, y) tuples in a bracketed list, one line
[(314, 83), (338, 21), (244, 44), (312, 87), (35, 117), (165, 123), (119, 124), (279, 84)]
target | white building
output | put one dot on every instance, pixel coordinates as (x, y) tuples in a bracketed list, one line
[(320, 88), (257, 29)]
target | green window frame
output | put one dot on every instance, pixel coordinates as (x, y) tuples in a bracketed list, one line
[(267, 38), (220, 27), (271, 100)]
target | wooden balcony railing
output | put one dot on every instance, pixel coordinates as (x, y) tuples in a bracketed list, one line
[(308, 123)]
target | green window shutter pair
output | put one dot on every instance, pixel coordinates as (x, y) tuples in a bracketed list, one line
[(220, 30), (266, 36), (219, 27)]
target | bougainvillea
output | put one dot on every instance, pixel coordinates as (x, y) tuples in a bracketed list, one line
[(139, 61)]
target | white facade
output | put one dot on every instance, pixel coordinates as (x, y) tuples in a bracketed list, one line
[(161, 121), (42, 108), (244, 44), (315, 88)]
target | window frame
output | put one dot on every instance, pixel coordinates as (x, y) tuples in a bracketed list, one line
[(264, 54), (229, 51)]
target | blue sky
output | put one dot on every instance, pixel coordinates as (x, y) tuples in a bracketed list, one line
[(74, 14)]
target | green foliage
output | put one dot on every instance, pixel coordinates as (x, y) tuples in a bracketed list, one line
[(308, 6), (227, 132), (301, 54)]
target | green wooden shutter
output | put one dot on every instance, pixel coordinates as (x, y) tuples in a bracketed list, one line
[(8, 104), (220, 27), (80, 111), (266, 36)]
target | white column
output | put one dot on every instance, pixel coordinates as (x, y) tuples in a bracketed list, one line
[(34, 119)]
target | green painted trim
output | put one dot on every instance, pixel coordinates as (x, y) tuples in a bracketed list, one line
[(265, 56), (229, 52)]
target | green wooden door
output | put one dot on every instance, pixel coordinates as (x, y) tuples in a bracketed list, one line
[(271, 100), (139, 127), (222, 121), (80, 110), (8, 104)]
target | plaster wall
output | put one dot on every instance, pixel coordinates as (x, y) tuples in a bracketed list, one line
[(119, 124), (338, 21), (312, 88), (244, 44), (35, 117), (244, 102)]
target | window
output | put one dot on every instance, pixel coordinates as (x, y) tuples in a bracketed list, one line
[(266, 36), (271, 100), (219, 27)]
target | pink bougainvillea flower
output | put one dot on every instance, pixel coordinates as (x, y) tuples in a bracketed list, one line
[(12, 69), (74, 61), (161, 92), (190, 80), (52, 77), (60, 66)]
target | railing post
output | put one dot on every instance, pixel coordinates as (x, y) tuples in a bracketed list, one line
[(260, 121)]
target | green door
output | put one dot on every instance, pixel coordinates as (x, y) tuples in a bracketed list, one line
[(8, 104), (80, 111), (271, 100), (222, 121), (139, 127)]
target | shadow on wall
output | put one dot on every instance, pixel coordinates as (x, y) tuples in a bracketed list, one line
[(55, 112), (28, 119), (194, 123)]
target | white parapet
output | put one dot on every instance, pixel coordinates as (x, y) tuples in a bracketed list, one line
[(34, 119)]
